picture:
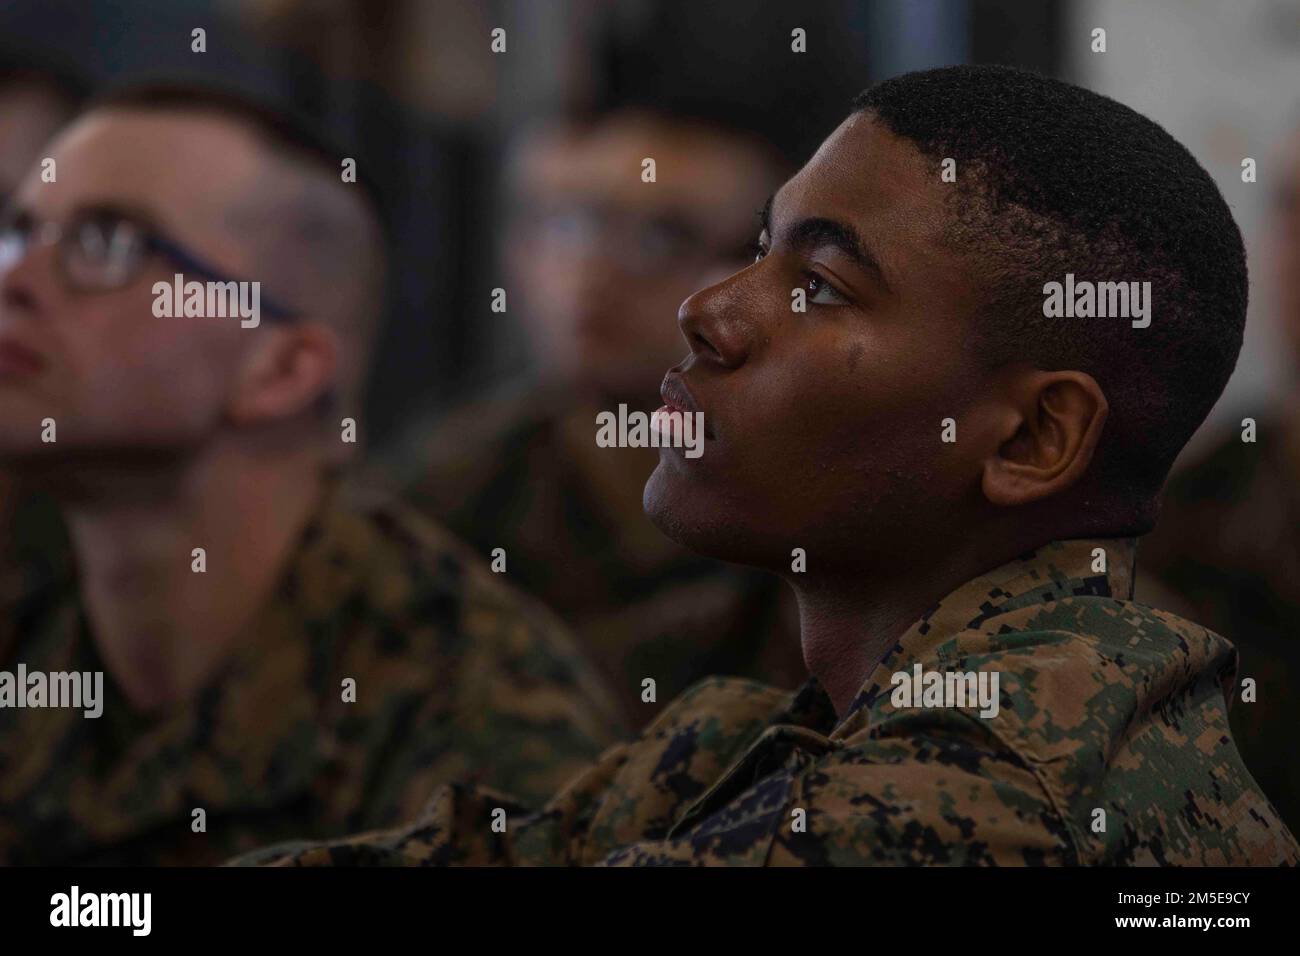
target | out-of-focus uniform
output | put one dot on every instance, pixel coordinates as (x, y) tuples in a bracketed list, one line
[(455, 677), (1109, 745), (522, 472), (1226, 551)]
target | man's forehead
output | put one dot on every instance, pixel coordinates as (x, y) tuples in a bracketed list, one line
[(866, 176), (171, 162), (693, 167)]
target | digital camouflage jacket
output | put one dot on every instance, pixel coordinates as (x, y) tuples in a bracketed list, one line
[(1226, 552), (1110, 745), (455, 676)]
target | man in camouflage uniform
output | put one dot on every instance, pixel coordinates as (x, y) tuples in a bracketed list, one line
[(964, 484), (276, 659), (596, 261), (741, 774)]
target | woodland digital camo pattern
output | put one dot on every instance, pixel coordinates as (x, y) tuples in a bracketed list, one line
[(521, 471), (34, 549), (1104, 704), (456, 677), (1227, 546)]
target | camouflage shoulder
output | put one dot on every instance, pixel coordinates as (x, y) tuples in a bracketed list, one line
[(454, 445), (34, 600), (417, 536), (502, 619), (736, 701), (1117, 713), (935, 794)]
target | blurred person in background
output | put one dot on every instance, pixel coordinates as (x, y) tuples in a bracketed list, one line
[(319, 664), (34, 103), (35, 100), (1004, 559), (1226, 550), (597, 262)]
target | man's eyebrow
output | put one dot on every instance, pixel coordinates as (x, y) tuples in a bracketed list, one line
[(765, 215), (90, 208), (817, 231), (812, 233), (114, 207)]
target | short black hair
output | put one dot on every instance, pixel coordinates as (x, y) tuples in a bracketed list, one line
[(1053, 178)]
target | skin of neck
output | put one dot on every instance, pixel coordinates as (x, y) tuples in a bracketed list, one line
[(851, 618), (163, 629)]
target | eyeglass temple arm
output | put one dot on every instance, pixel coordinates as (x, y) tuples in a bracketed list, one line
[(188, 263)]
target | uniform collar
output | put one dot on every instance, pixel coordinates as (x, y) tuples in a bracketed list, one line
[(1057, 570), (806, 728), (256, 738), (274, 689)]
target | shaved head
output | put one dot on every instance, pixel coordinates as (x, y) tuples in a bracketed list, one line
[(320, 242), (222, 185), (321, 247)]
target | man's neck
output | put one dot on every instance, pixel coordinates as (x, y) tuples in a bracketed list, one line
[(849, 623), (162, 626)]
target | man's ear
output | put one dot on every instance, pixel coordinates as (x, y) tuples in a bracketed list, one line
[(1050, 439), (285, 372)]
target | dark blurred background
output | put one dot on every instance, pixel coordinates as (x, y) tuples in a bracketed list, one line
[(480, 159), (412, 89)]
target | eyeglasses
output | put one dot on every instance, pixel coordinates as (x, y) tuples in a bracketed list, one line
[(643, 244), (102, 249)]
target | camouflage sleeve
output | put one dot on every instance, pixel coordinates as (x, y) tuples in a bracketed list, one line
[(923, 801), (468, 825), (501, 693), (533, 706), (522, 722), (634, 791), (937, 797)]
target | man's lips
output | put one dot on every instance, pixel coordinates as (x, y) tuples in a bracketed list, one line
[(678, 398), (18, 359), (676, 395)]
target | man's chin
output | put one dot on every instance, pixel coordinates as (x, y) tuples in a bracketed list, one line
[(670, 506), (687, 513)]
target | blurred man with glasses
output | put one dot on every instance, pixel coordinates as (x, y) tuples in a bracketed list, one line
[(36, 98), (597, 258), (276, 658)]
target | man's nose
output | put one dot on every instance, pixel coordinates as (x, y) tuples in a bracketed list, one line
[(22, 281), (716, 325)]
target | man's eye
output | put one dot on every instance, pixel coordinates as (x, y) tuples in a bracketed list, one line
[(757, 251), (821, 292)]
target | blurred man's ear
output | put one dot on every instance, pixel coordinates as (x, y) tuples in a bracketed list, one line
[(1050, 433), (285, 373)]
